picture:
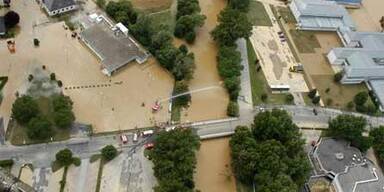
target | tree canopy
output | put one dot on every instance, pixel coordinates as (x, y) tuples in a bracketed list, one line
[(24, 109), (64, 157), (122, 11), (39, 128), (350, 128), (361, 98), (62, 107), (109, 152), (233, 24), (11, 19), (239, 4), (270, 154), (174, 160)]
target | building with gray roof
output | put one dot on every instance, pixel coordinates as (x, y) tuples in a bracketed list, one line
[(346, 167), (321, 15), (349, 3), (111, 44), (55, 7)]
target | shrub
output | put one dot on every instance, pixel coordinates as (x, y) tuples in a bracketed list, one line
[(371, 109), (11, 19), (53, 76), (233, 109), (350, 105), (36, 42), (6, 163), (190, 37), (360, 98), (30, 77), (338, 76), (312, 93), (109, 152), (289, 98), (361, 108), (316, 100), (59, 83), (76, 161), (264, 97)]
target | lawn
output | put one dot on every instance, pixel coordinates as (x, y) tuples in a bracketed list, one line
[(163, 18), (339, 94), (257, 14), (287, 15), (305, 41), (17, 134), (259, 84)]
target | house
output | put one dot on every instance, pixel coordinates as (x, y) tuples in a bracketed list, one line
[(345, 167), (321, 15), (55, 7), (111, 43), (3, 29)]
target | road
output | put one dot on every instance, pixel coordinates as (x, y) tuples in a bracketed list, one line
[(303, 116)]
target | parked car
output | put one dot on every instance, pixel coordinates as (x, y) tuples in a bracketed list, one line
[(124, 139), (135, 137)]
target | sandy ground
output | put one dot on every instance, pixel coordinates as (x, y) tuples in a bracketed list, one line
[(109, 108), (26, 175), (206, 74), (91, 178), (54, 180), (276, 58), (368, 16), (213, 172)]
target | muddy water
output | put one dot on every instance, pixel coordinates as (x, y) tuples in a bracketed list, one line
[(213, 167), (209, 104)]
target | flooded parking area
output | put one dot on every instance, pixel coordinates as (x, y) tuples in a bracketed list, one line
[(213, 172)]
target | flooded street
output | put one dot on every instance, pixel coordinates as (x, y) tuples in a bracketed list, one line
[(206, 74), (213, 172)]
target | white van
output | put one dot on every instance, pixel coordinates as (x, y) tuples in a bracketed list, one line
[(135, 137), (147, 133)]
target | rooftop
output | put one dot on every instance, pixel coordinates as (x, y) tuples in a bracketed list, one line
[(335, 155), (114, 48), (321, 14), (353, 173), (58, 4)]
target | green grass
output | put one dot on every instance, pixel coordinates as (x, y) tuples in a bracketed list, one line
[(286, 15), (17, 134), (305, 41), (176, 113), (257, 14), (259, 84), (163, 18)]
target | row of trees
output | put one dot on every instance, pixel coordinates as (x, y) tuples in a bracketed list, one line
[(26, 111), (179, 61), (233, 24), (188, 18), (270, 154), (175, 160)]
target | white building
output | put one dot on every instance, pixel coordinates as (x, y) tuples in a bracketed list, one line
[(55, 7)]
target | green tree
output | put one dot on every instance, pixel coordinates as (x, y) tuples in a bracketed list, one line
[(360, 98), (180, 88), (242, 5), (233, 109), (39, 128), (11, 19), (61, 102), (289, 98), (233, 87), (187, 7), (100, 3), (109, 152), (184, 66), (63, 118), (233, 25), (183, 49), (24, 109), (161, 39), (312, 93), (174, 159), (187, 24), (122, 11), (64, 157), (350, 128), (316, 100), (142, 30), (229, 62), (268, 183), (167, 56)]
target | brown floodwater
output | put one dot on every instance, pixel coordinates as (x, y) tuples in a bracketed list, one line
[(212, 103), (213, 173)]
